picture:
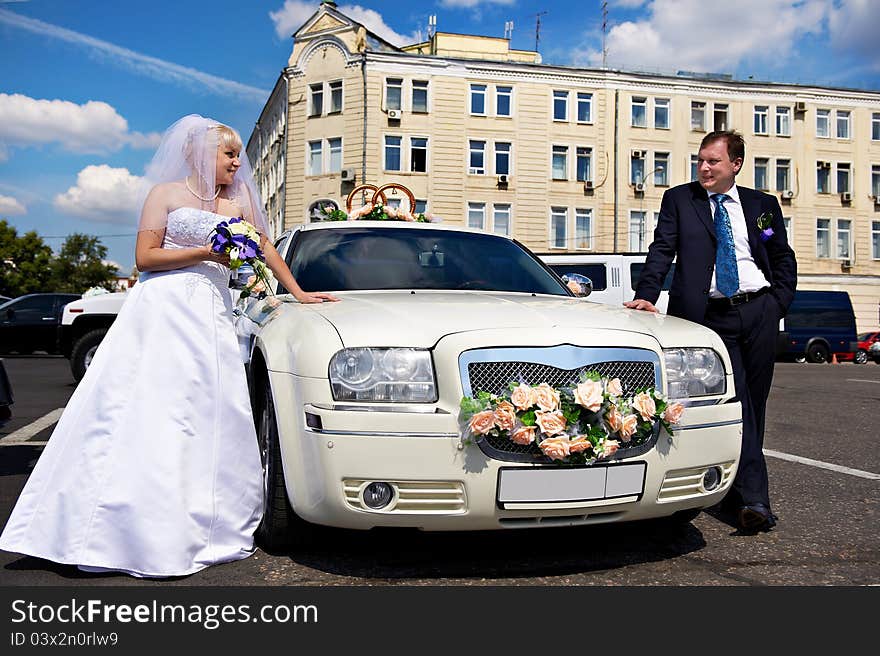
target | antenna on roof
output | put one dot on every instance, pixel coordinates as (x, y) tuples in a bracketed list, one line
[(508, 30), (604, 33), (538, 28), (432, 25)]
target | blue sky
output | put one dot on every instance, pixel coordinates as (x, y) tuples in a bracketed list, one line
[(86, 86)]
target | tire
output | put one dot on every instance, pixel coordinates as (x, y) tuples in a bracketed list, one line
[(817, 353), (861, 357), (84, 350), (280, 529)]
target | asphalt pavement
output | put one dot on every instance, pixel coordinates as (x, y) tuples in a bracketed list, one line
[(822, 435)]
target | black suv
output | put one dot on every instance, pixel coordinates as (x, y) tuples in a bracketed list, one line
[(30, 323)]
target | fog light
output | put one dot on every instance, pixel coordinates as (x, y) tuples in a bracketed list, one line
[(712, 478), (378, 495)]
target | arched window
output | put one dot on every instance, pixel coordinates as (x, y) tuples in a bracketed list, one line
[(315, 213)]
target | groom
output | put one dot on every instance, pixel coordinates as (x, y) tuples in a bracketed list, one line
[(736, 274)]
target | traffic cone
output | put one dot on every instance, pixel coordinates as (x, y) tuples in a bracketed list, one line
[(834, 358)]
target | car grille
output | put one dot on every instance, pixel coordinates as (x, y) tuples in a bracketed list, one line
[(494, 377)]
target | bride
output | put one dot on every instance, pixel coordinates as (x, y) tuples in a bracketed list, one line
[(153, 469)]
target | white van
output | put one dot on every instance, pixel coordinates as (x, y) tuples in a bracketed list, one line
[(614, 275)]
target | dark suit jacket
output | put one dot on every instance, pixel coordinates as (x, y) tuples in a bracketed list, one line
[(686, 229)]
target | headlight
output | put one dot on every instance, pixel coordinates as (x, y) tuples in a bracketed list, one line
[(383, 374), (694, 372)]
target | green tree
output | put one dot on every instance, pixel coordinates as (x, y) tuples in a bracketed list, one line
[(80, 265), (25, 262)]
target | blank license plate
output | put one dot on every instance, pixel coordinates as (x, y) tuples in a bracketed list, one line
[(587, 484)]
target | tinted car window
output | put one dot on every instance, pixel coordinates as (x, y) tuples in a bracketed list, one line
[(35, 305), (635, 272), (597, 273), (349, 259)]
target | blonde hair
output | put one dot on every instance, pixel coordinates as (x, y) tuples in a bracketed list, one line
[(228, 137)]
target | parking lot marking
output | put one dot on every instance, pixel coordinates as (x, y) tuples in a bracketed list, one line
[(862, 380), (23, 434), (823, 465)]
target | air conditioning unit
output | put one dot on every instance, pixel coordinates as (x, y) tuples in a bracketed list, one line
[(588, 184), (876, 200), (788, 193), (503, 179), (823, 165), (846, 264), (800, 106), (846, 197), (394, 114), (638, 154), (639, 187), (348, 175)]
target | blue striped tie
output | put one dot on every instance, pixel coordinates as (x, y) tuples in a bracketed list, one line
[(726, 273)]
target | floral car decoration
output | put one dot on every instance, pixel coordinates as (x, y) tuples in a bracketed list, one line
[(377, 212), (577, 425)]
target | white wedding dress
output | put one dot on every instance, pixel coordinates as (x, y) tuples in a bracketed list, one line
[(153, 469)]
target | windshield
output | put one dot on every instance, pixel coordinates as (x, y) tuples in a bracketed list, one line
[(358, 258)]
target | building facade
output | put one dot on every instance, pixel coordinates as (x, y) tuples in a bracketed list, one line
[(563, 159)]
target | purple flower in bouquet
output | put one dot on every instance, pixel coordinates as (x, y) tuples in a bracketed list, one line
[(764, 226)]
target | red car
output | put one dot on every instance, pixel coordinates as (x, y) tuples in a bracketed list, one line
[(864, 352)]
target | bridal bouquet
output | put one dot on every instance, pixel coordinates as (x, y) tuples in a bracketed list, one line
[(569, 425), (241, 242)]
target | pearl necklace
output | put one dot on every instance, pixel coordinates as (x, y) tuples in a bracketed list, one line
[(206, 200)]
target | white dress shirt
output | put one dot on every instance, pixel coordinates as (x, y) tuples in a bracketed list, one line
[(751, 279)]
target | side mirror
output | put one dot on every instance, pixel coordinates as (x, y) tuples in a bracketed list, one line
[(579, 284)]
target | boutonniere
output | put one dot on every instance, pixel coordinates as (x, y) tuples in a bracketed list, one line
[(764, 226)]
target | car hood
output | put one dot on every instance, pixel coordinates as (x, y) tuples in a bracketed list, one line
[(421, 319)]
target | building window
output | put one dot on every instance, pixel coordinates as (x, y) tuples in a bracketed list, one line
[(501, 219), (477, 215), (639, 112), (761, 165), (418, 154), (721, 120), (875, 181), (478, 99), (661, 113), (316, 99), (661, 169), (477, 158), (585, 107), (761, 119), (875, 126), (783, 121), (843, 178), (583, 229), (698, 116), (503, 104), (335, 97), (844, 239), (558, 224), (560, 163), (637, 170), (783, 174), (560, 105), (823, 178), (335, 147), (637, 231), (695, 159), (584, 163), (502, 158), (421, 207), (393, 153), (822, 119), (842, 124), (393, 93), (786, 221), (875, 240), (315, 157), (420, 96), (823, 238)]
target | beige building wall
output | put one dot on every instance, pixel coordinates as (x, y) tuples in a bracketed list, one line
[(331, 48)]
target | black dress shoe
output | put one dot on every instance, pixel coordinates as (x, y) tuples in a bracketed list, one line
[(756, 517)]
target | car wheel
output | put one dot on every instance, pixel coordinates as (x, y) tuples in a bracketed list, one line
[(84, 350), (861, 357), (800, 359), (817, 353), (280, 529)]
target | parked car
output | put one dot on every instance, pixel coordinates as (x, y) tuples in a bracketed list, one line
[(3, 299), (84, 323), (864, 352), (6, 397), (30, 323), (614, 276), (357, 402), (818, 325)]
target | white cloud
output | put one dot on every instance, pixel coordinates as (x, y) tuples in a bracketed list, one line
[(853, 28), (470, 4), (716, 37), (102, 193), (93, 127), (158, 69), (10, 206), (294, 13)]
